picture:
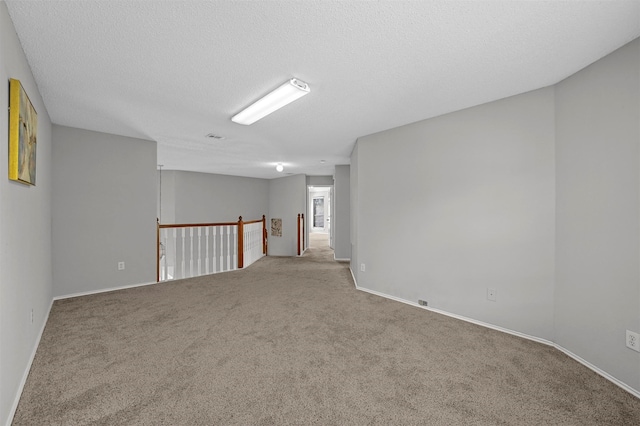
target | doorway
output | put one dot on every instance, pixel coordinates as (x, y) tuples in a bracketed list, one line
[(319, 214)]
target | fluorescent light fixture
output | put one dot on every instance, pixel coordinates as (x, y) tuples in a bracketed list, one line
[(279, 168), (283, 95)]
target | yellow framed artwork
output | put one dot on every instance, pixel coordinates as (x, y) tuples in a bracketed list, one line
[(23, 135)]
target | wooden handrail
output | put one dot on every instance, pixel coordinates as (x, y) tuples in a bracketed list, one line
[(196, 225)]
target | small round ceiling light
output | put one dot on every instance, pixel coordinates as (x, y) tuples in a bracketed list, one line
[(279, 168)]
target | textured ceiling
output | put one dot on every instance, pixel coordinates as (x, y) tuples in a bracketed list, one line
[(174, 71)]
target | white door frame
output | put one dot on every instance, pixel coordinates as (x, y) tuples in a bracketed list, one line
[(316, 191)]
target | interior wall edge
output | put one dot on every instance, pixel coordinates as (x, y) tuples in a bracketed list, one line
[(25, 375), (353, 277)]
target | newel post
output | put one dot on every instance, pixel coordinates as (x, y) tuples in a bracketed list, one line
[(304, 234), (264, 235), (240, 243), (298, 234)]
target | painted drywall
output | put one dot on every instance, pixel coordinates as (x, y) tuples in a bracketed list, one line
[(208, 198), (465, 203), (166, 196), (597, 293), (104, 211), (341, 225), (320, 180), (287, 199), (25, 233)]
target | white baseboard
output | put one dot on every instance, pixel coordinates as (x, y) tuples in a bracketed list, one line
[(587, 364), (14, 407), (340, 259), (104, 290), (354, 279), (124, 287), (599, 371)]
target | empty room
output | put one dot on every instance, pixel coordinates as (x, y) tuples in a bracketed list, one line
[(320, 212)]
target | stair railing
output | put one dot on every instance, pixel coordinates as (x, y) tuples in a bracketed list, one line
[(194, 249)]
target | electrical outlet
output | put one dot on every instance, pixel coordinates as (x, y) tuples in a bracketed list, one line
[(120, 266), (492, 294), (362, 268), (633, 341), (422, 302)]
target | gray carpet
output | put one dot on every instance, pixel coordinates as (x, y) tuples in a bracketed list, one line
[(290, 341)]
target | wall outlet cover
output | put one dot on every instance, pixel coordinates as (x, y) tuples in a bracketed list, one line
[(633, 340), (492, 294)]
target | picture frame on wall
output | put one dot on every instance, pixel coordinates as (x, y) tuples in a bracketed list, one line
[(276, 227), (23, 135)]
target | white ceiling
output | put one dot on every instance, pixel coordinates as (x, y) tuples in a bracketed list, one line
[(174, 71)]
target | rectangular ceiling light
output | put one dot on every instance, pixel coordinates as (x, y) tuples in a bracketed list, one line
[(283, 95)]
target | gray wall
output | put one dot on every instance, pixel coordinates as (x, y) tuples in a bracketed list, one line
[(341, 225), (25, 232), (166, 196), (598, 213), (537, 196), (104, 211), (287, 199), (465, 203), (207, 198), (320, 180)]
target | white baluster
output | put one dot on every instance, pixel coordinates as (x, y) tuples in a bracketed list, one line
[(190, 252), (182, 265), (214, 231), (249, 245), (228, 248), (234, 255), (174, 255), (199, 251), (221, 248), (206, 262), (163, 259), (246, 243), (217, 255)]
